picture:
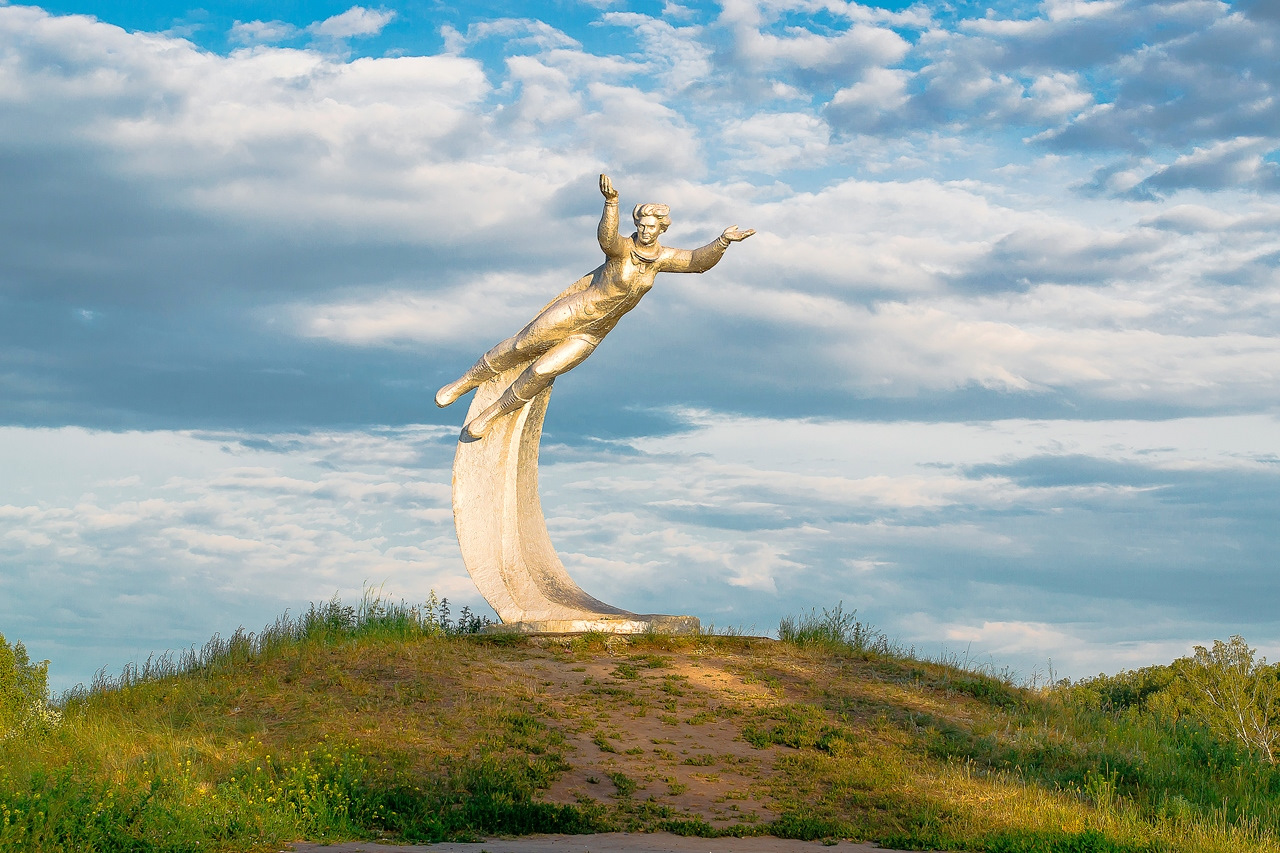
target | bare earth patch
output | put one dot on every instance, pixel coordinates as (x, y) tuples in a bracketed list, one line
[(669, 725)]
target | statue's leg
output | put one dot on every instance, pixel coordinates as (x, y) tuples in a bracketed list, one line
[(475, 376), (561, 358), (509, 353)]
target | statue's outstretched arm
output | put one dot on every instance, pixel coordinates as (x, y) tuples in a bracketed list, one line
[(610, 240), (703, 259)]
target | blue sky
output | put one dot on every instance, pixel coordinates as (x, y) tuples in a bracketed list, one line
[(999, 369)]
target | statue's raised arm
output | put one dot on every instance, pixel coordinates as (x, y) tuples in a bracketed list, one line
[(611, 242), (573, 324)]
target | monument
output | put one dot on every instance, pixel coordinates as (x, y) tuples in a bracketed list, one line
[(496, 508)]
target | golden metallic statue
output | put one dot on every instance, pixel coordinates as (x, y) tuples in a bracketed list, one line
[(572, 325)]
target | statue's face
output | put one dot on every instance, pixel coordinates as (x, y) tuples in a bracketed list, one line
[(647, 230)]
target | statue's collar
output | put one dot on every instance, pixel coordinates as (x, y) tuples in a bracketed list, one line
[(640, 257)]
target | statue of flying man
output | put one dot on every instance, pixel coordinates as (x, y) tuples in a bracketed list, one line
[(573, 324)]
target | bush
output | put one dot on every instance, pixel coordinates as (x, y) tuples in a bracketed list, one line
[(24, 692), (1124, 690), (1234, 695)]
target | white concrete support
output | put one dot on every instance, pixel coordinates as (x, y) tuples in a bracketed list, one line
[(503, 533)]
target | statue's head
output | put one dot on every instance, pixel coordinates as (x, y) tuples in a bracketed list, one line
[(651, 220)]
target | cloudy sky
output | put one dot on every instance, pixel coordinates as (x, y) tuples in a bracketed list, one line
[(999, 369)]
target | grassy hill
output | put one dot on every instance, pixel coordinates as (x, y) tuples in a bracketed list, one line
[(392, 722)]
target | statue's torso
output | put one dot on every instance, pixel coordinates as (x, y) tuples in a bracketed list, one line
[(616, 287)]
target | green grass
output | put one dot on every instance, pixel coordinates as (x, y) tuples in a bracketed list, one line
[(397, 722)]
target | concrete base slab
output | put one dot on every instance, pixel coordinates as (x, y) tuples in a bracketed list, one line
[(638, 624)]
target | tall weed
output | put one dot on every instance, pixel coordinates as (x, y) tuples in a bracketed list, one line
[(836, 631)]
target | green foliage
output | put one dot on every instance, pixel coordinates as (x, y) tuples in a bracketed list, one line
[(1233, 694), (1116, 760), (24, 693), (473, 800), (1129, 689), (689, 827), (796, 726), (987, 688), (328, 791), (806, 826), (625, 671), (625, 785), (1223, 689), (590, 642)]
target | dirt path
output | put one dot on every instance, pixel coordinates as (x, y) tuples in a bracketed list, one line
[(662, 730), (612, 842)]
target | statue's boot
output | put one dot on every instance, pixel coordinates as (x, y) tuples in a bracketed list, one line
[(510, 400), (477, 375)]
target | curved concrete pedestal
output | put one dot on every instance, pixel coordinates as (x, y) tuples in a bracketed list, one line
[(504, 538)]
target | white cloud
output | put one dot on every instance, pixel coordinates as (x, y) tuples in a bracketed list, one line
[(751, 518), (967, 218), (262, 32), (514, 32), (356, 21), (909, 348), (869, 103), (1234, 163), (548, 96), (860, 46), (639, 133), (678, 54), (772, 141), (289, 134), (676, 10), (1058, 95), (488, 308), (244, 532)]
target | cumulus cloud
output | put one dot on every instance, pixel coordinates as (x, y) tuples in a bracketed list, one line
[(230, 522), (749, 518), (479, 310), (679, 55), (357, 159), (515, 32), (803, 54), (262, 32), (1062, 214), (873, 103), (356, 21), (772, 141), (1233, 164)]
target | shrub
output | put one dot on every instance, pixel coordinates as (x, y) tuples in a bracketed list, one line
[(24, 692), (1124, 690), (1234, 695)]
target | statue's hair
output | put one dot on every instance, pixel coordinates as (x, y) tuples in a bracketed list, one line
[(661, 212)]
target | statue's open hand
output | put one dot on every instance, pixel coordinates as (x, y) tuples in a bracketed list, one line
[(606, 188), (733, 235)]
